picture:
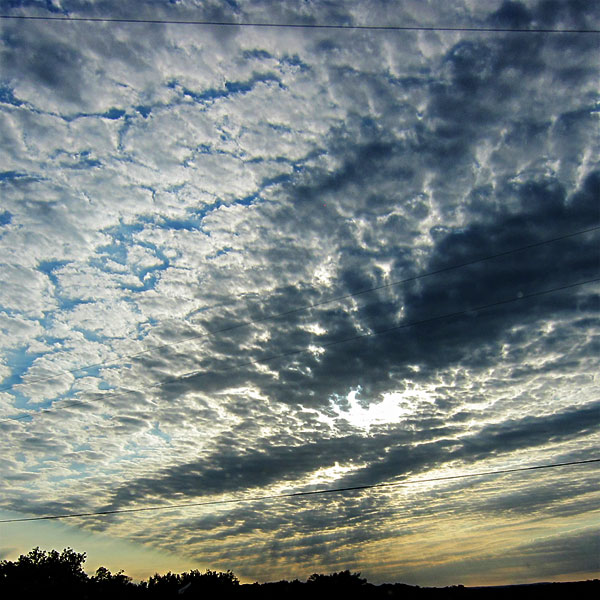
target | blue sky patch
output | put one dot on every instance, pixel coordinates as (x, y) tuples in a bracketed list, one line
[(256, 54), (7, 96), (157, 431), (144, 110), (231, 88), (19, 361), (5, 218), (12, 175)]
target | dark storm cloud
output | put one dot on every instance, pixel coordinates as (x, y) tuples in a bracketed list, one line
[(388, 456), (527, 213), (447, 342), (227, 471), (492, 440), (511, 14), (470, 99), (577, 13)]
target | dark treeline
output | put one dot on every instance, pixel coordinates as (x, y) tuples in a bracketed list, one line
[(43, 574)]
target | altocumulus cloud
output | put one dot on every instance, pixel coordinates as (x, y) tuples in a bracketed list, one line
[(162, 185)]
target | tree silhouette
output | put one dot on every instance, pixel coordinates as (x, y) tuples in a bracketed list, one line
[(163, 586), (210, 579), (53, 574), (40, 571), (342, 579), (190, 584), (105, 584)]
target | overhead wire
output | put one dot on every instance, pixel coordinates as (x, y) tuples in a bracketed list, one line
[(295, 25), (180, 378), (355, 488), (300, 309)]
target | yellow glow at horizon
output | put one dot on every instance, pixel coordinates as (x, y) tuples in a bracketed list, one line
[(137, 560)]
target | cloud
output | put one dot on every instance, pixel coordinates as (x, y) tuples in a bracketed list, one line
[(168, 192), (371, 460)]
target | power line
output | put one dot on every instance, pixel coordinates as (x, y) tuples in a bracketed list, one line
[(355, 488), (295, 25), (300, 309), (190, 374)]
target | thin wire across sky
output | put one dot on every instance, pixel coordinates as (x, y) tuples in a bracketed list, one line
[(340, 490), (349, 27)]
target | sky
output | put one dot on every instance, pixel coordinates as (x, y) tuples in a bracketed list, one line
[(248, 261)]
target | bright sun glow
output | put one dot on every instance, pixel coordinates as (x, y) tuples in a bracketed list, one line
[(392, 408)]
